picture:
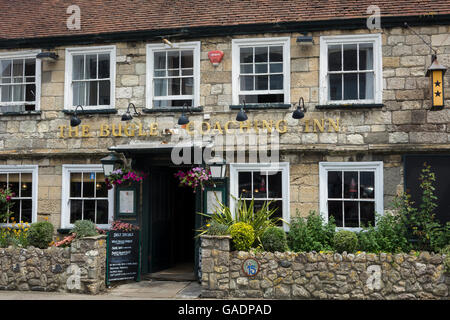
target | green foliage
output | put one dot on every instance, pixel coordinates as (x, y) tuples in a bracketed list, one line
[(345, 240), (84, 228), (389, 235), (217, 229), (41, 234), (5, 204), (446, 251), (311, 234), (260, 219), (243, 236), (274, 239), (15, 235)]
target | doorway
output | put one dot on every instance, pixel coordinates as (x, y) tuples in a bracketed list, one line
[(172, 216)]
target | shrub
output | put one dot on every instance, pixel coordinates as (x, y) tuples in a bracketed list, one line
[(243, 236), (274, 239), (41, 234), (446, 251), (84, 228), (311, 234), (389, 235), (345, 240), (217, 229)]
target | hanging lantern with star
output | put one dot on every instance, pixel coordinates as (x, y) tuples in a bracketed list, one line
[(437, 71)]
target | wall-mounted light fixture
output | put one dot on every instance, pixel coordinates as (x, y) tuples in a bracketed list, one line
[(127, 115), (183, 120), (47, 56), (110, 163), (242, 116), (170, 44), (436, 73), (75, 121), (218, 167), (299, 113), (305, 39)]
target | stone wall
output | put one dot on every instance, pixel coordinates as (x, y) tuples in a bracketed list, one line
[(79, 268), (322, 275)]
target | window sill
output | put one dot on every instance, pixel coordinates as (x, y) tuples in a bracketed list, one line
[(172, 109), (94, 111), (20, 113), (353, 106), (261, 106)]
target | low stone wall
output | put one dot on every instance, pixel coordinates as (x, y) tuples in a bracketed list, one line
[(320, 275), (80, 268)]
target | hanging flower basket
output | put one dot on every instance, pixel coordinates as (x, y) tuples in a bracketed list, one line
[(123, 177), (194, 177)]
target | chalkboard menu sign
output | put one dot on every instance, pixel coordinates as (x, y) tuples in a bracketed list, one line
[(123, 255)]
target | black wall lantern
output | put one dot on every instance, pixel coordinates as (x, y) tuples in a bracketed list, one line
[(110, 163), (183, 120), (218, 167), (299, 113), (436, 73), (242, 116), (75, 121), (127, 115), (47, 56)]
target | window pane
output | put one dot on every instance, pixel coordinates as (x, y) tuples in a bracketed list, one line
[(261, 54), (3, 181), (160, 73), (187, 59), (6, 93), (350, 86), (18, 93), (262, 98), (187, 72), (350, 57), (91, 66), (160, 87), (367, 213), (245, 184), (275, 185), (75, 210), (335, 184), (171, 103), (246, 55), (89, 210), (351, 184), (103, 66), (174, 73), (88, 184), (367, 185), (276, 67), (261, 68), (174, 86), (278, 205), (30, 92), (79, 93), (15, 211), (173, 59), (261, 83), (351, 214), (14, 183), (246, 68), (366, 86), (335, 87), (78, 67), (104, 92), (276, 82), (26, 185), (187, 85), (101, 189), (276, 54), (75, 184), (26, 210), (334, 58), (102, 211), (247, 83), (30, 67), (365, 56), (160, 60), (5, 66), (18, 68), (259, 185), (92, 93), (335, 210)]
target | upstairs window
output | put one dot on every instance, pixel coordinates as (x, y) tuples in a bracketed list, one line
[(350, 69), (90, 77), (19, 82), (261, 70), (173, 75)]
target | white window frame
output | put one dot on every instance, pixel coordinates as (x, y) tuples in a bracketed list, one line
[(375, 166), (235, 168), (151, 48), (26, 55), (236, 44), (68, 87), (325, 41), (33, 169), (67, 169)]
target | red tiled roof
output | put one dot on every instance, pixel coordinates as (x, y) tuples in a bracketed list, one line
[(47, 18)]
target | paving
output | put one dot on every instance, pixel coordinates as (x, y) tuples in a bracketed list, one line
[(143, 290)]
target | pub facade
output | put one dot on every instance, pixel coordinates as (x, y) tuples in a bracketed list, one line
[(365, 113)]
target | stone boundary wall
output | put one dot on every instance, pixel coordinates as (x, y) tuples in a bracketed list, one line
[(320, 275), (80, 268)]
